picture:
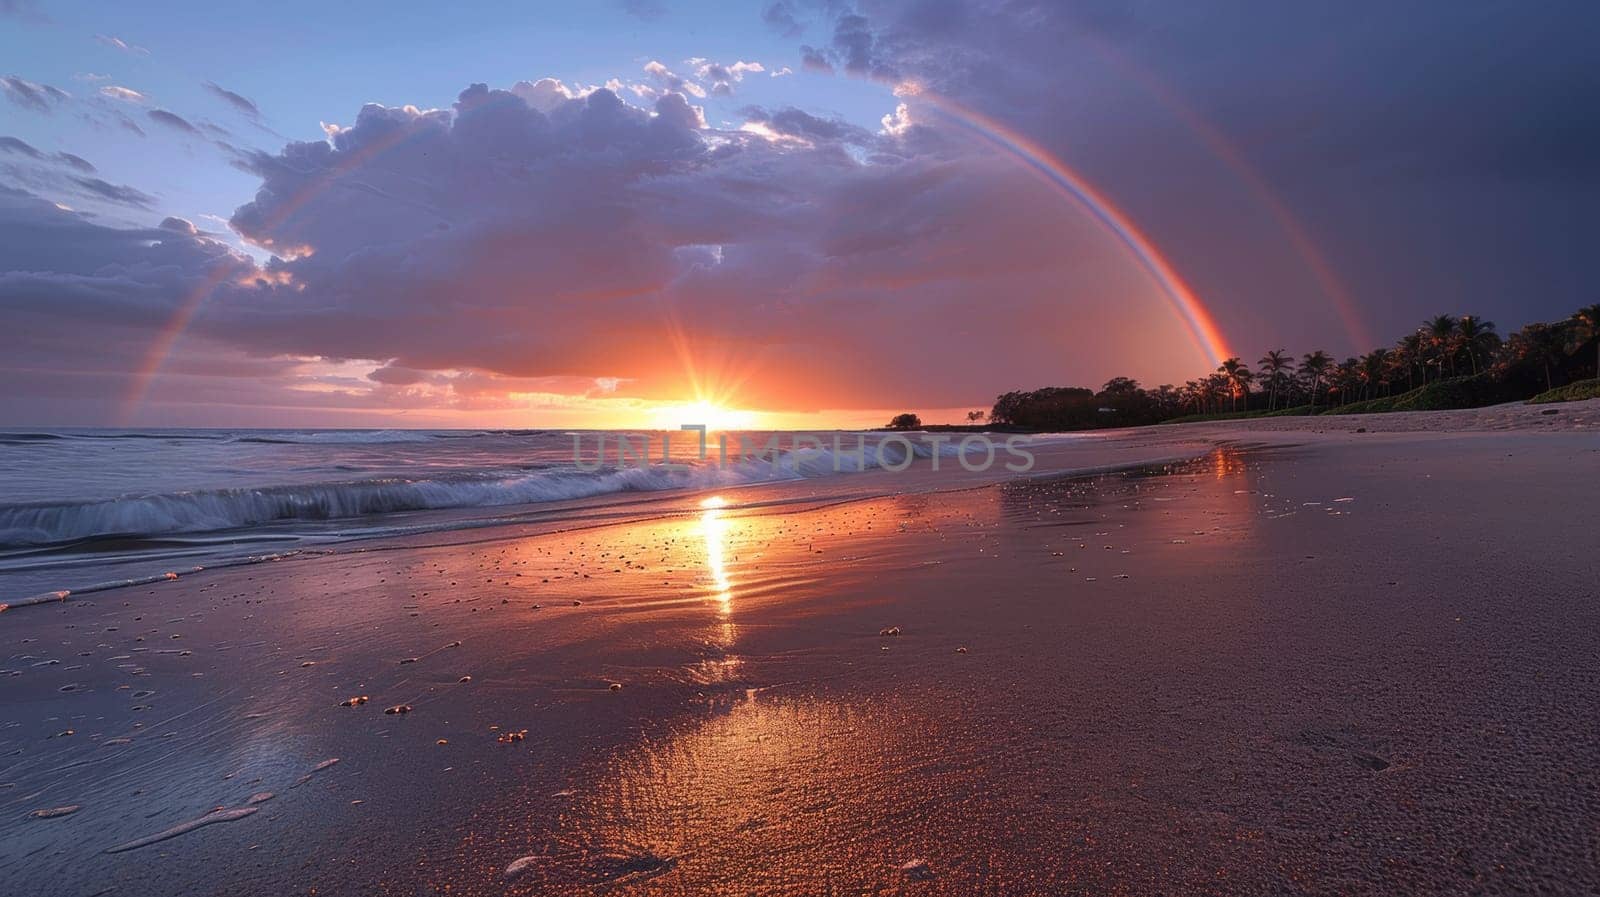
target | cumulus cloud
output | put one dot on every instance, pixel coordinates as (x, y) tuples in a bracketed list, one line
[(549, 240), (723, 77), (668, 80), (32, 95)]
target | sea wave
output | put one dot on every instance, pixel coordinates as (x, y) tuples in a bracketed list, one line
[(220, 510), (348, 437)]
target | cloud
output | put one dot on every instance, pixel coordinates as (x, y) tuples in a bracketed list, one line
[(21, 147), (240, 104), (121, 194), (173, 120), (722, 77), (77, 162), (1293, 115), (126, 95), (31, 95), (670, 81), (117, 43), (813, 59), (780, 17)]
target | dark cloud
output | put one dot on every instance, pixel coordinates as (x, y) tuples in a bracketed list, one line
[(20, 147), (78, 162), (172, 120), (31, 95), (815, 60), (116, 193), (240, 103), (1429, 153), (780, 17)]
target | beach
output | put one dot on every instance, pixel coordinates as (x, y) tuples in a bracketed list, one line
[(1332, 655)]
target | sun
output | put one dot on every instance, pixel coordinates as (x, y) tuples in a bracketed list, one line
[(709, 414)]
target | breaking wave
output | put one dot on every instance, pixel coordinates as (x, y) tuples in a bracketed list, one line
[(221, 510)]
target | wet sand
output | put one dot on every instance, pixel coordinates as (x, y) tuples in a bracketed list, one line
[(1325, 663)]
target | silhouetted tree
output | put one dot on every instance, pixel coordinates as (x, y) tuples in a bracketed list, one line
[(907, 421), (1275, 366), (1314, 366)]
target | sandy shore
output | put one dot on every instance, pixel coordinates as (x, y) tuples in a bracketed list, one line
[(1304, 662)]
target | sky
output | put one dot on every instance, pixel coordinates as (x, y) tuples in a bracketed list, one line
[(789, 213)]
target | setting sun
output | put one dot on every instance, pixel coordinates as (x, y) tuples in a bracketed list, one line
[(711, 415)]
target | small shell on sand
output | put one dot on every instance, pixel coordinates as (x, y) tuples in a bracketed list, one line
[(889, 631), (398, 708), (916, 870), (222, 815), (519, 866), (53, 812), (356, 701)]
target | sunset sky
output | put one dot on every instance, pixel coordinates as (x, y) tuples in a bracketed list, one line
[(784, 213)]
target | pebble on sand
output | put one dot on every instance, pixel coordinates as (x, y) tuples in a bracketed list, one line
[(399, 708), (889, 631), (916, 870), (354, 702)]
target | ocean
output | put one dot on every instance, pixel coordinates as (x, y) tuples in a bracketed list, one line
[(87, 509)]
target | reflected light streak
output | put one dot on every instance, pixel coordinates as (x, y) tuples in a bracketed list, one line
[(714, 529)]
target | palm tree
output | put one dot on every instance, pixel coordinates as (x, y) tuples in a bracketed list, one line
[(1588, 321), (1440, 331), (1238, 377), (1313, 366), (1476, 336), (1275, 365), (1374, 370), (1410, 350), (1540, 344)]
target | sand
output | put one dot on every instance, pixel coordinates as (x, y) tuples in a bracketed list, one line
[(1302, 662)]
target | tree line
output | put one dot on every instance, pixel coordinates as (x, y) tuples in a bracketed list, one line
[(1463, 358)]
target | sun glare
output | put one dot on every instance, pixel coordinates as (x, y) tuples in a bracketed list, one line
[(713, 416)]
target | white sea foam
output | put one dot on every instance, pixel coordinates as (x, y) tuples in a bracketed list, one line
[(191, 513)]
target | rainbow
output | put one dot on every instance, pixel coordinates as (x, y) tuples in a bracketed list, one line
[(156, 355), (1228, 153), (1202, 328)]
